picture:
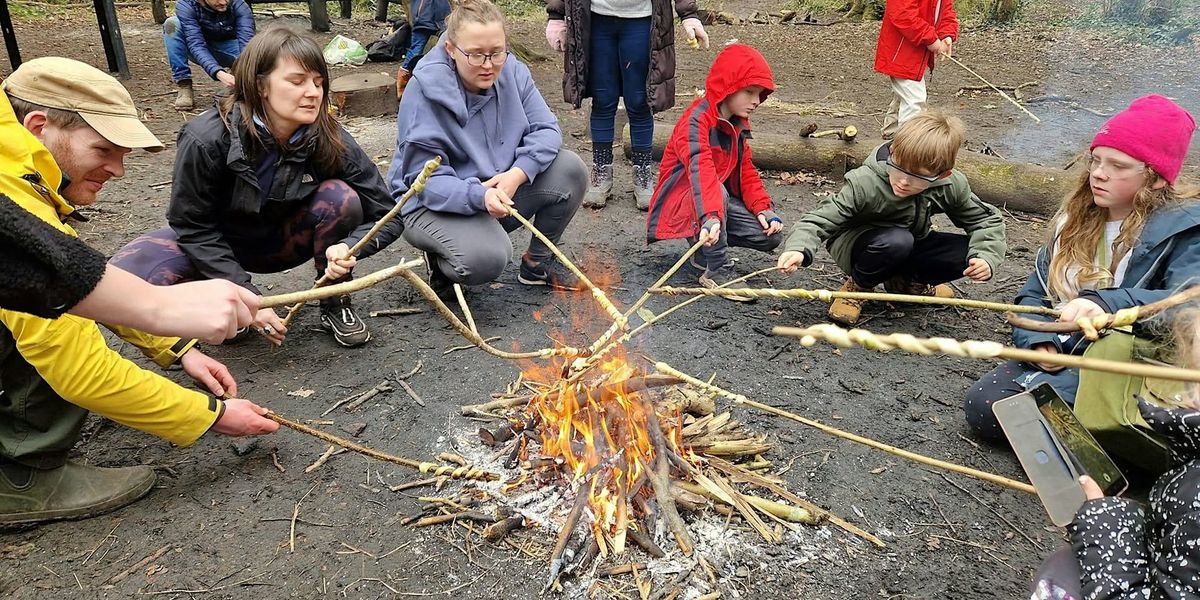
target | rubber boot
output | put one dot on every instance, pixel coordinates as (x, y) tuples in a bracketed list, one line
[(72, 491), (186, 100)]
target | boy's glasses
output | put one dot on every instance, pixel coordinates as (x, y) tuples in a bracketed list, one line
[(476, 59), (1113, 168), (927, 179)]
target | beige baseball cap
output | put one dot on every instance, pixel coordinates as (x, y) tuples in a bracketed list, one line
[(98, 97)]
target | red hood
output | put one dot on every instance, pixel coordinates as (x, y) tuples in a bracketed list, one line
[(737, 66)]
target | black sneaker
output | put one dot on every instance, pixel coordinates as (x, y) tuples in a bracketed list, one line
[(442, 285), (338, 317), (713, 278), (548, 272)]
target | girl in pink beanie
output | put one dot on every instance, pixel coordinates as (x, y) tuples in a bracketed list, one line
[(1127, 236)]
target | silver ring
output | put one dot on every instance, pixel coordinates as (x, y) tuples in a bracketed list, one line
[(268, 330)]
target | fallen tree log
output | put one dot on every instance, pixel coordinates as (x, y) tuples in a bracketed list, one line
[(1004, 183)]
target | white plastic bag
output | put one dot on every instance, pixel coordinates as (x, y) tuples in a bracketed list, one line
[(342, 50)]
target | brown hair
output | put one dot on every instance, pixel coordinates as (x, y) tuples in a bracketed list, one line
[(66, 119), (471, 11), (929, 142), (258, 59), (1079, 224)]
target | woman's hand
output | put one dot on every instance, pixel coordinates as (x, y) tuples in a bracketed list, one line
[(556, 34), (1080, 308), (1048, 348), (208, 372), (270, 325), (339, 261), (496, 202), (508, 181), (695, 32)]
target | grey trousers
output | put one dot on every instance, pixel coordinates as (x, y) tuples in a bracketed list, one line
[(474, 249), (740, 229)]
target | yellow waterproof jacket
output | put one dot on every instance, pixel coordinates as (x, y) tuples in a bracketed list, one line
[(70, 353)]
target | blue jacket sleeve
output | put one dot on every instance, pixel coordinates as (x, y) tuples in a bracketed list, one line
[(1034, 294), (1179, 269), (543, 139), (244, 16), (193, 36)]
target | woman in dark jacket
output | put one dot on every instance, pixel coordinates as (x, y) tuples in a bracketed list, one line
[(615, 49), (266, 182)]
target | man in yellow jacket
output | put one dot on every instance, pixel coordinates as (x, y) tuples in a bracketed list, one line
[(53, 372)]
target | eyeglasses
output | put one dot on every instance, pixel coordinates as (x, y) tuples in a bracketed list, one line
[(926, 179), (1113, 168), (477, 59)]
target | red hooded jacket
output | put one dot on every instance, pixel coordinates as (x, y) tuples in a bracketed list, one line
[(708, 155), (909, 26)]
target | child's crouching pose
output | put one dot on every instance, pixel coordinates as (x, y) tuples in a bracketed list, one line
[(707, 187), (879, 226)]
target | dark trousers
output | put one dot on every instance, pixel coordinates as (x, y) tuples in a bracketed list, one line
[(474, 249), (619, 51), (886, 252), (37, 427), (1008, 379), (267, 243), (740, 229)]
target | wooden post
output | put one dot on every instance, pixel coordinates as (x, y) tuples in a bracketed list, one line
[(10, 36), (110, 34)]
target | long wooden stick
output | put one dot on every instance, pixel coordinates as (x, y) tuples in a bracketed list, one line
[(933, 462), (597, 293), (1121, 318), (418, 185), (976, 349), (830, 296), (424, 467), (998, 90), (332, 291)]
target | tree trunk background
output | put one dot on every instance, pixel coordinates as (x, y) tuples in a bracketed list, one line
[(1006, 184)]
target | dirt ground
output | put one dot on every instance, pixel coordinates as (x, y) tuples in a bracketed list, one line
[(220, 512)]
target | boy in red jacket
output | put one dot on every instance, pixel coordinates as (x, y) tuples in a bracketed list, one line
[(912, 34), (707, 187)]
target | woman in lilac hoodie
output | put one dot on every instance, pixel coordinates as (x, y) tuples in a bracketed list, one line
[(475, 105)]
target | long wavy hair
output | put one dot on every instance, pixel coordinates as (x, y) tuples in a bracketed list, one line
[(250, 71), (1082, 223)]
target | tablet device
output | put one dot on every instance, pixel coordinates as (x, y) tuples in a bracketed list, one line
[(1055, 450)]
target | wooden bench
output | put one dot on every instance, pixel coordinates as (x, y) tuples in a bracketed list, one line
[(316, 9)]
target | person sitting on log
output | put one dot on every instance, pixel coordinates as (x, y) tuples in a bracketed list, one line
[(473, 103), (210, 33), (267, 181), (56, 371), (1123, 238), (879, 226), (707, 186)]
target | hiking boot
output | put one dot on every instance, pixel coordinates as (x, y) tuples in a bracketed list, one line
[(548, 272), (72, 491), (402, 77), (442, 285), (643, 186), (845, 310), (900, 285), (338, 317), (600, 186), (186, 100), (713, 278)]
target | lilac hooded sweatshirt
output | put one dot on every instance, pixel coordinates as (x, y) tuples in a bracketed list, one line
[(477, 135)]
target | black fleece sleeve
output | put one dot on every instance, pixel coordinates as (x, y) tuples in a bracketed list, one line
[(43, 271)]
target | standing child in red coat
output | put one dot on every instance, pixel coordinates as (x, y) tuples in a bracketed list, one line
[(707, 187), (912, 34)]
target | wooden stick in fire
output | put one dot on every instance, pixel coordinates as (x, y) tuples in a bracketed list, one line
[(453, 472), (976, 349), (830, 296), (998, 90), (417, 185), (338, 289), (933, 462)]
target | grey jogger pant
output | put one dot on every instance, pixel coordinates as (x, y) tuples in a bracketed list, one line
[(474, 249)]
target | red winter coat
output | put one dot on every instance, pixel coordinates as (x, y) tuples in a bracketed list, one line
[(909, 26), (708, 155)]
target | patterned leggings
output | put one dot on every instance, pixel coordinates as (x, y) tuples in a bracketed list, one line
[(264, 243)]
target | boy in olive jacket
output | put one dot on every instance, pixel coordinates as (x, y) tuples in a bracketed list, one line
[(879, 226)]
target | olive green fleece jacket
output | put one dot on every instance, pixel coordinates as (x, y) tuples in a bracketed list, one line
[(867, 202)]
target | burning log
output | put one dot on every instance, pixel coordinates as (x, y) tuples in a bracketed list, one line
[(661, 482)]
